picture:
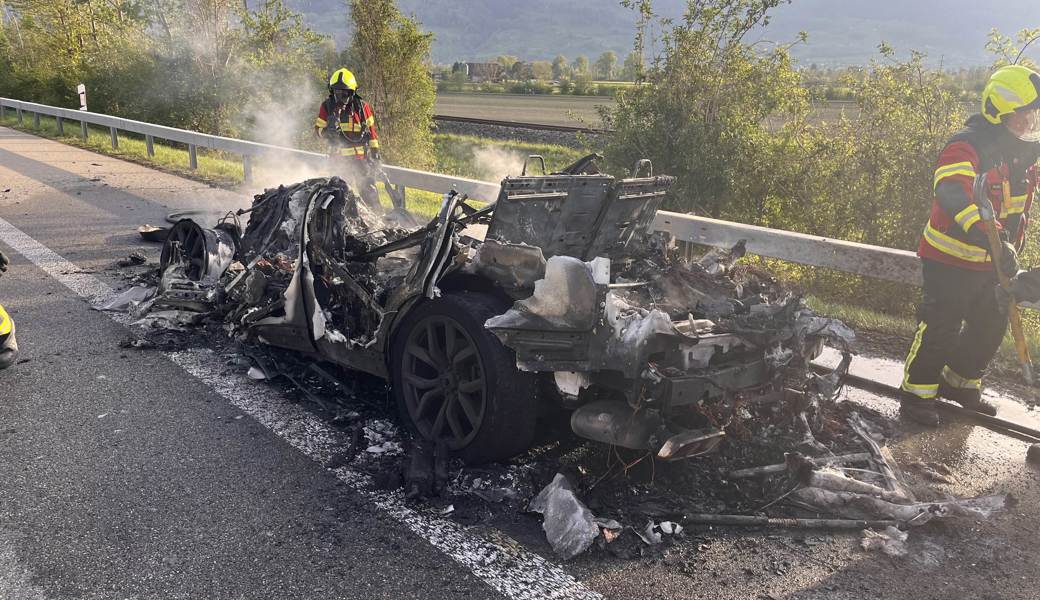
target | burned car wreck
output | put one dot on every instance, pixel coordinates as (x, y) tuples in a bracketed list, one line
[(557, 295)]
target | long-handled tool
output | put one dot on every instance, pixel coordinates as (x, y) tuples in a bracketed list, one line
[(995, 424), (996, 247)]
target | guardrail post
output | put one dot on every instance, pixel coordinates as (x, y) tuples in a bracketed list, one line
[(193, 157), (60, 125), (36, 120), (115, 138), (149, 144), (247, 168), (19, 116), (3, 111), (83, 130)]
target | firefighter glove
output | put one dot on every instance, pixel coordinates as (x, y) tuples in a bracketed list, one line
[(373, 153), (1008, 260), (1026, 286)]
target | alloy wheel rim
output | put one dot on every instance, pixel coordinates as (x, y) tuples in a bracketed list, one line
[(444, 381)]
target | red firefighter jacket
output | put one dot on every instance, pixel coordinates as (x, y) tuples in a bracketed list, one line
[(953, 235), (353, 132)]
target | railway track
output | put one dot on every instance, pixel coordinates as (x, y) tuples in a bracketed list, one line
[(520, 125)]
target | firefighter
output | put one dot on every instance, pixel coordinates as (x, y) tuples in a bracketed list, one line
[(348, 125), (961, 322), (8, 345)]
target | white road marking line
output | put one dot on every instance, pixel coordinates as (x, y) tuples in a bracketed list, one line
[(511, 571)]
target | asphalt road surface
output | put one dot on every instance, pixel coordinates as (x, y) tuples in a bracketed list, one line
[(150, 474)]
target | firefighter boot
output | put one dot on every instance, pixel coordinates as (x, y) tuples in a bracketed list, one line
[(968, 397), (919, 410), (8, 344)]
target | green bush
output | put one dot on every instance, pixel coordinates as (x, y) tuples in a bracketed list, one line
[(488, 87), (730, 122), (530, 87)]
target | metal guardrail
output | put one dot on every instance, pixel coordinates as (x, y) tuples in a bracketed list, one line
[(878, 262), (409, 178), (860, 259)]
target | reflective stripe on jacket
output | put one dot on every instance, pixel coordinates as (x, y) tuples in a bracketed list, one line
[(952, 234), (355, 131), (6, 323)]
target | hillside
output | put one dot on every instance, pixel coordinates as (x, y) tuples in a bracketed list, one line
[(840, 31)]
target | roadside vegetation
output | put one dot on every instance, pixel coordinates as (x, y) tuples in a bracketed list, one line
[(250, 70), (733, 121), (579, 77)]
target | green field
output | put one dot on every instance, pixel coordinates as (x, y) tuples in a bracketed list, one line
[(574, 111)]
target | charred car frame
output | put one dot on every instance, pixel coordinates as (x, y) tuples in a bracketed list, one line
[(557, 294)]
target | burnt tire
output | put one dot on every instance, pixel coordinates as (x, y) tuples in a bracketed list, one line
[(454, 382)]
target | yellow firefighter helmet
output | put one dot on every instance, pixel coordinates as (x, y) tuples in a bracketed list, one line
[(343, 79), (1011, 89)]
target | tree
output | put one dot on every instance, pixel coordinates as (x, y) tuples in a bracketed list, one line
[(1006, 50), (52, 44), (207, 26), (606, 66), (560, 67), (277, 56), (507, 62), (580, 66), (520, 71), (393, 78), (327, 56), (542, 70), (274, 36), (632, 69), (869, 178), (704, 115)]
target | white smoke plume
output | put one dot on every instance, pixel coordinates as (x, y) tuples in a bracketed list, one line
[(282, 113), (494, 164)]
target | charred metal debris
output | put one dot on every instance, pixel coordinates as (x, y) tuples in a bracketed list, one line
[(556, 297), (556, 294)]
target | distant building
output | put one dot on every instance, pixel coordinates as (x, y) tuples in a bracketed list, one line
[(479, 72)]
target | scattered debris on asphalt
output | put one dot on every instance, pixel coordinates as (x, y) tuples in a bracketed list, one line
[(658, 357), (134, 258), (151, 233), (890, 541), (129, 298), (569, 525)]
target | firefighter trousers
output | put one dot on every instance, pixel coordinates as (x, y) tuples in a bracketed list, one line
[(960, 325)]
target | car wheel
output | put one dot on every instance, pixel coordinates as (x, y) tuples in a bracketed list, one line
[(456, 384)]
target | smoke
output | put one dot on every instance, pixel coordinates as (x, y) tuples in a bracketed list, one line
[(494, 164), (221, 75), (282, 109), (282, 113), (271, 172)]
